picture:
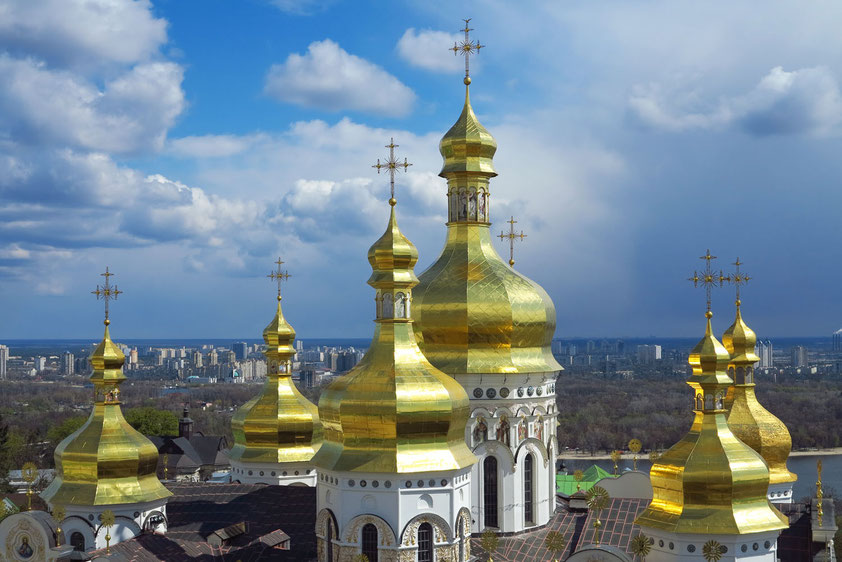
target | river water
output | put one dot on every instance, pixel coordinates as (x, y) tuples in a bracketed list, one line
[(803, 466)]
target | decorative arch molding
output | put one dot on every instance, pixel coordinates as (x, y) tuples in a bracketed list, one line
[(503, 411), (498, 449), (539, 411), (481, 411), (152, 514), (78, 518), (464, 517), (524, 411), (127, 521), (385, 533), (542, 449), (323, 519), (443, 534)]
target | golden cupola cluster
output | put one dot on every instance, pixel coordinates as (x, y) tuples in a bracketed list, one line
[(394, 412), (106, 461), (753, 424), (279, 425), (473, 312), (710, 482)]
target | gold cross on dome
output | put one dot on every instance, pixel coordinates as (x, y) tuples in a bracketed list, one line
[(739, 278), (106, 292), (279, 275), (511, 235), (392, 165), (708, 278), (467, 48)]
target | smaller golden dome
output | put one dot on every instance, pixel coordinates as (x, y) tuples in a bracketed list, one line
[(394, 412), (280, 425), (392, 258), (468, 146), (710, 482), (753, 424), (106, 461), (740, 340)]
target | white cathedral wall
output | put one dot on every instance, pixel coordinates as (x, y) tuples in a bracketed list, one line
[(392, 502), (277, 474), (672, 547), (129, 521), (780, 493), (527, 404)]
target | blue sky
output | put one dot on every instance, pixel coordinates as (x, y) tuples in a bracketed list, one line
[(186, 144)]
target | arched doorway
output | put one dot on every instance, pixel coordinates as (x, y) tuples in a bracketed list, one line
[(369, 542)]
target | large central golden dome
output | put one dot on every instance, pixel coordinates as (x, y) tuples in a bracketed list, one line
[(474, 313)]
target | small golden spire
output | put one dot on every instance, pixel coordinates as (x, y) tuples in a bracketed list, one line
[(511, 235), (708, 278), (279, 275), (106, 292), (393, 165), (467, 48)]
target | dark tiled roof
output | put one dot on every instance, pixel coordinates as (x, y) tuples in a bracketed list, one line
[(617, 530), (198, 509)]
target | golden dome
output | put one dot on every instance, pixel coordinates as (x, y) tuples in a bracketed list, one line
[(280, 425), (474, 313), (753, 424), (468, 146), (710, 482), (394, 412), (106, 461)]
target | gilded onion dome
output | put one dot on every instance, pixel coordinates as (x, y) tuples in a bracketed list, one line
[(280, 425), (394, 412), (106, 461), (710, 482), (753, 424), (474, 313)]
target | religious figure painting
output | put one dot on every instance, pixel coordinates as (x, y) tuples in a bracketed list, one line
[(463, 205), (25, 550), (482, 205), (400, 305), (480, 430), (472, 205), (388, 306), (503, 433)]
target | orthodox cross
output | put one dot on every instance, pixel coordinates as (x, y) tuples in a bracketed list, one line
[(280, 276), (467, 48), (511, 235), (393, 165), (739, 279), (708, 278), (106, 292)]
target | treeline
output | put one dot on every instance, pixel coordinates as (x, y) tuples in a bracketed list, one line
[(596, 414)]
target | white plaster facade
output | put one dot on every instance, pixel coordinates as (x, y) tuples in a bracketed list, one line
[(684, 547), (277, 474), (130, 520), (518, 413), (780, 493), (396, 505)]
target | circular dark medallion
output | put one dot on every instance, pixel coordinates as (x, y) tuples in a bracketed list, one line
[(520, 392), (539, 390), (444, 482), (491, 393), (504, 392), (363, 483), (672, 546), (388, 483), (420, 483), (744, 548), (375, 484), (755, 546), (477, 393), (767, 544), (351, 483), (661, 543), (691, 548), (408, 484), (136, 515), (530, 391)]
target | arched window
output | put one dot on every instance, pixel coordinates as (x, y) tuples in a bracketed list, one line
[(528, 504), (425, 543), (489, 491), (77, 541), (400, 305), (329, 541), (370, 542), (388, 307)]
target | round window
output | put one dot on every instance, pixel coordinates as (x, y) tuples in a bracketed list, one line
[(491, 393), (477, 393), (504, 392)]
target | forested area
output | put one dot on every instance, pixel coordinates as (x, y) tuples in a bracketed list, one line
[(597, 414)]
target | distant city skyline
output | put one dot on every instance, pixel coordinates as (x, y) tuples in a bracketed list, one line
[(186, 145)]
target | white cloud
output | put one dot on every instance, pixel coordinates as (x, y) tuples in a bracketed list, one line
[(82, 32), (328, 77), (804, 101), (429, 49), (301, 7), (213, 146)]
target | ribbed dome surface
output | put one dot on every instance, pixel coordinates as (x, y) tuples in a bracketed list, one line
[(106, 461), (468, 146), (280, 424)]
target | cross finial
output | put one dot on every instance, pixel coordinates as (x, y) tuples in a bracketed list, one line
[(467, 48), (106, 292), (392, 165), (279, 275), (511, 235), (739, 279), (708, 278)]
